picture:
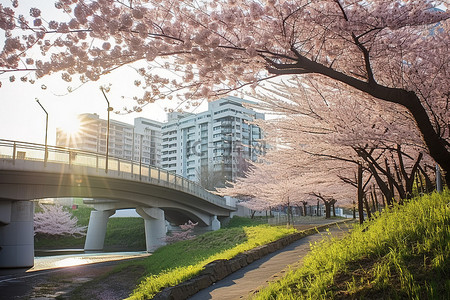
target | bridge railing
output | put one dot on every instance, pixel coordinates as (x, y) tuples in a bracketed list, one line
[(113, 166)]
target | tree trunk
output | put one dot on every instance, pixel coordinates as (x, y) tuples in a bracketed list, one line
[(327, 209), (436, 145), (373, 209), (373, 166), (390, 183), (366, 204), (288, 213), (428, 183), (360, 195), (318, 208), (409, 180), (376, 198), (334, 210)]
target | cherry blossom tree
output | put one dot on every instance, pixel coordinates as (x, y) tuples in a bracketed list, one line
[(390, 50), (186, 233), (375, 135), (325, 146), (287, 178), (53, 220), (328, 202), (264, 186)]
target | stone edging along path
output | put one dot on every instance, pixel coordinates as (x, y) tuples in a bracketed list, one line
[(219, 269)]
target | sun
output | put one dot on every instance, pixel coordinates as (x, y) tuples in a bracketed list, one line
[(70, 125)]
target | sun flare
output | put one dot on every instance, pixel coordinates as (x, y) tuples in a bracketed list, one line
[(70, 125)]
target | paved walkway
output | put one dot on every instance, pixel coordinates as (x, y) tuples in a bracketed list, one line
[(256, 275), (56, 276)]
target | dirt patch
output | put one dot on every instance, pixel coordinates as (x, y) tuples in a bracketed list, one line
[(90, 281), (109, 285), (358, 281), (359, 273), (60, 283)]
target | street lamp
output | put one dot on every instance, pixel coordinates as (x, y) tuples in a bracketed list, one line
[(107, 131), (46, 131)]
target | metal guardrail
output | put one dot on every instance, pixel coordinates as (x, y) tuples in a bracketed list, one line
[(17, 150)]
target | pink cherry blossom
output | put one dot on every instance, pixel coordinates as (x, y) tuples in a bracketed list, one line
[(55, 220), (390, 50)]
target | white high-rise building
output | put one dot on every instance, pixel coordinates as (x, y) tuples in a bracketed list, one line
[(147, 140), (140, 142), (211, 147)]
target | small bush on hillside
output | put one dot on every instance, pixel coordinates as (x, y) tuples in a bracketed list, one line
[(185, 234)]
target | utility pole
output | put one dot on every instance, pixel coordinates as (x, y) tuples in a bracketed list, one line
[(360, 194), (107, 131)]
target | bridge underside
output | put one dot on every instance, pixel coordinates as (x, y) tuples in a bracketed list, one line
[(153, 202), (18, 185), (154, 222)]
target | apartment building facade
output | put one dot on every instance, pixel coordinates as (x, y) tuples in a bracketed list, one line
[(212, 147)]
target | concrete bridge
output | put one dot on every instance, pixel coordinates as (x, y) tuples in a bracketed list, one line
[(32, 171)]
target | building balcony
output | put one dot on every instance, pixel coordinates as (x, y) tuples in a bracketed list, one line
[(227, 123)]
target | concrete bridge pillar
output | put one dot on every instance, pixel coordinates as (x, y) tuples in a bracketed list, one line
[(155, 227), (215, 224), (95, 237), (16, 234)]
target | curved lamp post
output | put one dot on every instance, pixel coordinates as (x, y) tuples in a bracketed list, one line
[(109, 109), (46, 131)]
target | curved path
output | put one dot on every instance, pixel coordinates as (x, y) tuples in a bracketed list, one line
[(256, 275)]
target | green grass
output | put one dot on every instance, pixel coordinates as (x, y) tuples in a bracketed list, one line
[(403, 253), (121, 234), (125, 234), (241, 222), (177, 262)]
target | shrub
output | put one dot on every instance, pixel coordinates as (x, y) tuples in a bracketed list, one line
[(185, 234)]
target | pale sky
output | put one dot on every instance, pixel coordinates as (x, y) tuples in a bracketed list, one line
[(22, 119)]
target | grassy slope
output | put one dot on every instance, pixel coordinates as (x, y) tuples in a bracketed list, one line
[(177, 262), (403, 253), (121, 234)]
